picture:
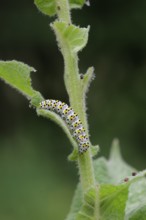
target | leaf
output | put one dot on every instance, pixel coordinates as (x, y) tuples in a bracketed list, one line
[(74, 155), (136, 205), (118, 168), (138, 213), (87, 78), (70, 36), (102, 174), (17, 75), (47, 7), (114, 170), (77, 3), (94, 150), (119, 200), (113, 198), (87, 211), (113, 201), (83, 206)]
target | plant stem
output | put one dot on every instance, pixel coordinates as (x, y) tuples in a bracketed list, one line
[(63, 11), (73, 86), (77, 101)]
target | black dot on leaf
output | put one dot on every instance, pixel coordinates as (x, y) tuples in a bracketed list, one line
[(134, 173)]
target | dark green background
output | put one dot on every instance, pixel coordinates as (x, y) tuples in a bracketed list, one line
[(36, 180)]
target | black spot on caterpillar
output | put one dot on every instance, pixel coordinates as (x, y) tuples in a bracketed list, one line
[(71, 119)]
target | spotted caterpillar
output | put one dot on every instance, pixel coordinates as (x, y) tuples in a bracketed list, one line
[(71, 119)]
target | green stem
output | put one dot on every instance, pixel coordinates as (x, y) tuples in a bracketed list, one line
[(86, 170), (63, 11), (73, 86), (77, 101)]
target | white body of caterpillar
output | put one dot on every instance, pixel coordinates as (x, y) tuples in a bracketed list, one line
[(72, 120)]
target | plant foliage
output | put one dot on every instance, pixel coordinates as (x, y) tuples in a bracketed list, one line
[(109, 189)]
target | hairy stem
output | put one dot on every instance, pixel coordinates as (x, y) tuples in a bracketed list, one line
[(77, 101), (63, 11)]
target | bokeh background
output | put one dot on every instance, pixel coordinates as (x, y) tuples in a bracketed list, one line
[(36, 180)]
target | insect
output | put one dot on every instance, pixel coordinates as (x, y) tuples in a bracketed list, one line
[(71, 119)]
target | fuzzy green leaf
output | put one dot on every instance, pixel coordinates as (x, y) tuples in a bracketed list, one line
[(70, 36), (113, 198), (46, 6), (102, 174), (17, 75), (77, 3), (125, 200), (113, 201), (138, 213), (136, 205), (88, 208), (94, 150), (87, 78), (113, 170), (83, 206), (118, 168), (74, 155)]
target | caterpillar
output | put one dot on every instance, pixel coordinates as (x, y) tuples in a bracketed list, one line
[(72, 121)]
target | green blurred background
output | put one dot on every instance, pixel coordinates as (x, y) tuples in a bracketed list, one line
[(36, 180)]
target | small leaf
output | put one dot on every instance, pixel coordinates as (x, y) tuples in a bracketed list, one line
[(17, 75), (74, 155), (87, 79), (94, 150), (36, 99), (70, 36), (77, 3), (47, 7)]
